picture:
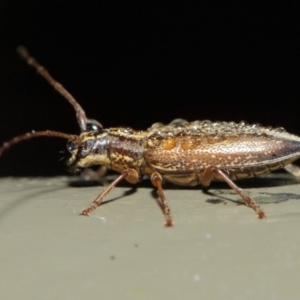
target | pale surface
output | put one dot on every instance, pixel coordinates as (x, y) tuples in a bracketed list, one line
[(217, 249)]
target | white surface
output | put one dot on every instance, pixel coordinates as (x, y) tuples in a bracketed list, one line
[(123, 251)]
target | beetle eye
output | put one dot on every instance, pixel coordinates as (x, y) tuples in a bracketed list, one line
[(71, 147), (93, 125), (86, 148)]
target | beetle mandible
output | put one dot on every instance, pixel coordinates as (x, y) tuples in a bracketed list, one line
[(184, 153)]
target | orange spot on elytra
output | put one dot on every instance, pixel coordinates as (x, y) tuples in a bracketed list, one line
[(188, 144), (170, 143)]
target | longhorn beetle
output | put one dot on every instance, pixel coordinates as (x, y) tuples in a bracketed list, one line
[(184, 153)]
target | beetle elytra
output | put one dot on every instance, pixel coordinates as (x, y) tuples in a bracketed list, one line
[(184, 153)]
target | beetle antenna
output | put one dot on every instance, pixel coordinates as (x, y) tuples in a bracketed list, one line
[(81, 117), (49, 133)]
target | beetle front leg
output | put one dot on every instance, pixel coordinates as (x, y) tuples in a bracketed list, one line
[(212, 172), (156, 180), (127, 173)]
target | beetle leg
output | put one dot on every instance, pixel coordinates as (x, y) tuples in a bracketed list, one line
[(213, 172), (293, 169), (156, 180), (97, 202), (98, 175)]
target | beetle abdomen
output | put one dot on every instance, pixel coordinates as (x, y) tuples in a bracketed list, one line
[(243, 150)]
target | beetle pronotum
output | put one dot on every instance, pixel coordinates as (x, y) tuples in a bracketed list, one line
[(185, 153)]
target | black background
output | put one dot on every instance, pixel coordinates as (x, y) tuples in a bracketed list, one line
[(135, 64)]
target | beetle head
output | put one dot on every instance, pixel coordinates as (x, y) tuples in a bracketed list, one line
[(91, 150)]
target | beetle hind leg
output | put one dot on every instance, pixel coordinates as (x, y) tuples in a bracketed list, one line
[(212, 172), (293, 169)]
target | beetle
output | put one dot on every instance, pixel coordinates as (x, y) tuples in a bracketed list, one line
[(184, 153)]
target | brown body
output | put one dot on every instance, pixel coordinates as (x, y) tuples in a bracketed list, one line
[(181, 151)]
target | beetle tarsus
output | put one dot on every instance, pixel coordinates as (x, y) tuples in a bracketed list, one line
[(89, 210), (261, 214)]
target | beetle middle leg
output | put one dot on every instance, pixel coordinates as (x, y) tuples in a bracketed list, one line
[(210, 173), (156, 180)]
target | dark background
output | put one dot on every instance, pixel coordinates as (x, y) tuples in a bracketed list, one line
[(136, 64)]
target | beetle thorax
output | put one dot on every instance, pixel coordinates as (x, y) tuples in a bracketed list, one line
[(114, 148)]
